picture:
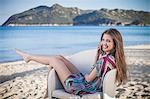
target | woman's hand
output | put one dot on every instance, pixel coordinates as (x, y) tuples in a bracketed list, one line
[(98, 52), (98, 49), (86, 77)]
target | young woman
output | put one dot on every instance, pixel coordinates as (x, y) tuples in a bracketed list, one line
[(110, 55)]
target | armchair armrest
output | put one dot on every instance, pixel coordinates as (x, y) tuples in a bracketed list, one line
[(109, 85), (53, 82)]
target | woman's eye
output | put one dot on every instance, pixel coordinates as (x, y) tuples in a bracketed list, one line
[(108, 41)]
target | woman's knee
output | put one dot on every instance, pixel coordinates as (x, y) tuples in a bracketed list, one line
[(59, 56), (53, 60)]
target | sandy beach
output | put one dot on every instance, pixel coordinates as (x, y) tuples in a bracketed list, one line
[(19, 80)]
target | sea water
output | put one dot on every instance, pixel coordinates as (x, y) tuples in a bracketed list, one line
[(64, 40)]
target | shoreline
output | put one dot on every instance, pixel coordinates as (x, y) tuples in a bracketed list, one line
[(71, 24), (21, 80), (134, 47), (76, 26), (143, 46)]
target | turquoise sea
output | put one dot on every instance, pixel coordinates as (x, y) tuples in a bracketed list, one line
[(62, 40)]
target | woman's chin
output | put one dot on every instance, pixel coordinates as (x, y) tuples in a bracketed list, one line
[(106, 51)]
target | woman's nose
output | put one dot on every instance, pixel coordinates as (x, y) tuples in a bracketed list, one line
[(104, 43)]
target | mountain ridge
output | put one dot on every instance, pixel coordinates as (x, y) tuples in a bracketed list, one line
[(59, 15)]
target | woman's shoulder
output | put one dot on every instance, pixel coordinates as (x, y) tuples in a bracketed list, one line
[(106, 57), (111, 61), (111, 57)]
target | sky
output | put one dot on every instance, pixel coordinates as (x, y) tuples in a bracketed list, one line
[(10, 7)]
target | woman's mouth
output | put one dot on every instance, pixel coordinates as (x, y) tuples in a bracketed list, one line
[(105, 47)]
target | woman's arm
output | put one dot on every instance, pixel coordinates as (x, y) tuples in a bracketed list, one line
[(90, 77)]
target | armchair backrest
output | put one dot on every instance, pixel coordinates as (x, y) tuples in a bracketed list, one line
[(83, 60)]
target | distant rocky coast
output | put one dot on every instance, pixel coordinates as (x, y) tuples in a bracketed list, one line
[(57, 15)]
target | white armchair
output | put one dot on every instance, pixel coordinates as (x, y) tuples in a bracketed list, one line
[(83, 60)]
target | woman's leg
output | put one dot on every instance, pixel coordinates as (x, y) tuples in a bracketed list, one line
[(31, 57), (70, 66), (59, 63), (61, 69), (62, 66), (45, 60)]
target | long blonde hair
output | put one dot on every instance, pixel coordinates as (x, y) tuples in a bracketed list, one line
[(118, 53)]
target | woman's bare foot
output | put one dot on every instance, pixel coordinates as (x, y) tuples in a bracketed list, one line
[(25, 56)]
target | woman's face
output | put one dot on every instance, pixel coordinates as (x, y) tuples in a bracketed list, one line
[(107, 43)]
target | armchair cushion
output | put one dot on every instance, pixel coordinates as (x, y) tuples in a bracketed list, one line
[(61, 94)]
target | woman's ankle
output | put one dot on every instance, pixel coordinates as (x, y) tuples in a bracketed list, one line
[(27, 59)]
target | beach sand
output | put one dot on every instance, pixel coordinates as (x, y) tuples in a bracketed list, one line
[(19, 80)]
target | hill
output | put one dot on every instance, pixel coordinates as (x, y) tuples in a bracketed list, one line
[(59, 15)]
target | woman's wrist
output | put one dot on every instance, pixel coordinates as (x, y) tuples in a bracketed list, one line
[(86, 77)]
